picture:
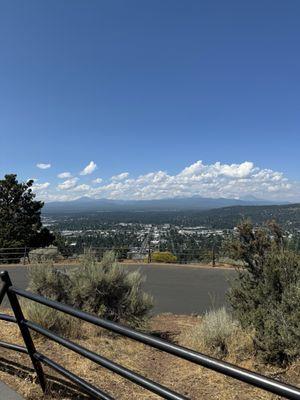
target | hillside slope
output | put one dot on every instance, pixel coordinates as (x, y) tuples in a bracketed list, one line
[(286, 215)]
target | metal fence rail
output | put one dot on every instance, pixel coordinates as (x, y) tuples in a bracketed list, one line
[(188, 256), (14, 254), (38, 359)]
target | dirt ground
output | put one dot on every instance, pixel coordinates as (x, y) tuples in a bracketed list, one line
[(183, 377)]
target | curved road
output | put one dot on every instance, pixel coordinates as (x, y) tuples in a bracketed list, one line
[(175, 289)]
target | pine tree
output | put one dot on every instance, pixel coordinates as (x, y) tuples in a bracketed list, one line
[(20, 215)]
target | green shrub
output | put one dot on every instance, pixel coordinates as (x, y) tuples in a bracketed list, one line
[(48, 281), (51, 319), (107, 289), (265, 296), (103, 288), (163, 257), (43, 254)]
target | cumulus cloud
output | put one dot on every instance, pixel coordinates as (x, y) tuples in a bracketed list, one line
[(64, 175), (198, 179), (89, 169), (97, 180), (81, 188), (40, 186), (120, 177), (231, 171), (43, 166), (68, 184)]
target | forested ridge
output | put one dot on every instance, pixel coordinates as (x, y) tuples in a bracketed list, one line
[(288, 216)]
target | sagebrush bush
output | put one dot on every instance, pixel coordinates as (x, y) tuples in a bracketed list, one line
[(51, 319), (43, 254), (107, 289), (163, 257), (265, 296), (214, 333), (48, 281), (103, 288)]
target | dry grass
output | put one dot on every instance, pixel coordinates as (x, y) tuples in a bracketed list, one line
[(190, 380), (55, 321), (220, 335)]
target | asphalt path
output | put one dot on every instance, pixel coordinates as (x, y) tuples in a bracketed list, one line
[(175, 289)]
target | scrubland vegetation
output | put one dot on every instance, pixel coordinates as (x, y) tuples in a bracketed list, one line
[(192, 381), (102, 288), (265, 296), (259, 329), (219, 334)]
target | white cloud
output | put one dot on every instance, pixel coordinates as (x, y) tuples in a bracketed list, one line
[(97, 180), (43, 166), (212, 180), (236, 170), (232, 171), (89, 169), (81, 188), (68, 184), (40, 186), (198, 179), (64, 175), (120, 177)]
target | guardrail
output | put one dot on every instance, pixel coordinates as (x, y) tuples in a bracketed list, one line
[(38, 359), (22, 254), (188, 256), (14, 254)]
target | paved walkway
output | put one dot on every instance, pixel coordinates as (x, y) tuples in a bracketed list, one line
[(176, 289), (6, 393)]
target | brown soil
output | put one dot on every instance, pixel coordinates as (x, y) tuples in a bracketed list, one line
[(183, 377)]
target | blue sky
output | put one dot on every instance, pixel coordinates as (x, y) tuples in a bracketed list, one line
[(147, 89)]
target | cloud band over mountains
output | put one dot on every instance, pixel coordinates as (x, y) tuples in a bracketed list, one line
[(199, 179)]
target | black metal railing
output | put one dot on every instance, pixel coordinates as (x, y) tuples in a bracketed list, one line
[(38, 359)]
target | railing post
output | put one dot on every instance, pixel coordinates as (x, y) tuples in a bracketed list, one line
[(15, 305), (24, 257), (28, 251), (3, 291)]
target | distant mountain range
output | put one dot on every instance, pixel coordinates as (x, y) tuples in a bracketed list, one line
[(86, 204)]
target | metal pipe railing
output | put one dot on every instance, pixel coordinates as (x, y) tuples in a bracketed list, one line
[(3, 291), (104, 362), (241, 374), (15, 347), (8, 318), (19, 316), (85, 386)]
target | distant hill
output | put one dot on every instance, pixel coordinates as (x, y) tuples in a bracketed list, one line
[(287, 215), (86, 204)]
